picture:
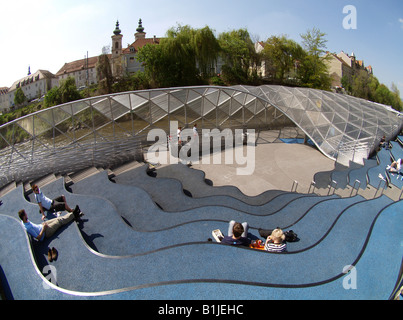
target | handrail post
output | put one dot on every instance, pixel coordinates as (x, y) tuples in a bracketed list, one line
[(313, 184), (359, 184), (334, 187), (379, 186), (295, 183)]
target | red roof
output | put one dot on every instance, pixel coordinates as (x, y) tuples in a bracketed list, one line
[(78, 65), (139, 43)]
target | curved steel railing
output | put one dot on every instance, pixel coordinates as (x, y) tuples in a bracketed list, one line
[(106, 130)]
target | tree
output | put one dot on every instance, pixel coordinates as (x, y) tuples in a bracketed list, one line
[(383, 95), (104, 75), (185, 57), (314, 42), (238, 54), (179, 49), (346, 84), (282, 54), (397, 102), (314, 71), (19, 98), (206, 48), (158, 67), (52, 97), (136, 81), (66, 92), (361, 86)]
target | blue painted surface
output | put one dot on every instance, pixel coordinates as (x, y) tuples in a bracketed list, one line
[(384, 158), (166, 255)]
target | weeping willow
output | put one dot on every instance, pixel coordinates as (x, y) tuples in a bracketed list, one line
[(194, 50)]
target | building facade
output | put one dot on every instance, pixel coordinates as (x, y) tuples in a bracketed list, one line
[(34, 86), (83, 71), (343, 65)]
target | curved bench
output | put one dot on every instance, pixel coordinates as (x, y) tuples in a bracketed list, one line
[(342, 176), (170, 195), (167, 193), (79, 269), (73, 253), (194, 181), (361, 173), (377, 267), (383, 158)]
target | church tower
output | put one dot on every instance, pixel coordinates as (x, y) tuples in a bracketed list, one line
[(116, 61), (140, 34)]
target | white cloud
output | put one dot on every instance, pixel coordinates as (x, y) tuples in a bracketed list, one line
[(401, 22)]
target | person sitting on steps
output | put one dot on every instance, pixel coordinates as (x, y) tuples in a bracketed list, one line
[(275, 242), (57, 204), (237, 234)]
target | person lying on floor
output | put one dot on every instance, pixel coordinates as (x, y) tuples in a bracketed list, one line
[(57, 204), (48, 228), (237, 234), (395, 167)]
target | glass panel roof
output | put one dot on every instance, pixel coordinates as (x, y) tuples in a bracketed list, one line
[(337, 124)]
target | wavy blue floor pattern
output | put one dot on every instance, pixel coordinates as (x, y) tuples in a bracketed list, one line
[(127, 247)]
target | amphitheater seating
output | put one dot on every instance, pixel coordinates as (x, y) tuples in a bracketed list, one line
[(145, 236), (360, 174)]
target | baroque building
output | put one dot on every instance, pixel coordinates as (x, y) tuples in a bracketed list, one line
[(123, 60)]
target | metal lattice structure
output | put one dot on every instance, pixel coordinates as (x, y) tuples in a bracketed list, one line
[(108, 130)]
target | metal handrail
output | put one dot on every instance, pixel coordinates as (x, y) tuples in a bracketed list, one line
[(295, 183), (313, 184), (334, 183), (359, 184), (379, 186)]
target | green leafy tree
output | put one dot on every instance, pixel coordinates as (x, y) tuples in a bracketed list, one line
[(66, 92), (282, 54), (238, 54), (313, 70), (136, 81), (158, 67), (383, 95), (52, 97), (397, 102), (179, 49), (361, 86), (19, 98), (185, 57), (206, 49), (346, 82)]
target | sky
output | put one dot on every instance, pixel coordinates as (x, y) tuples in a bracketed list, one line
[(45, 34)]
